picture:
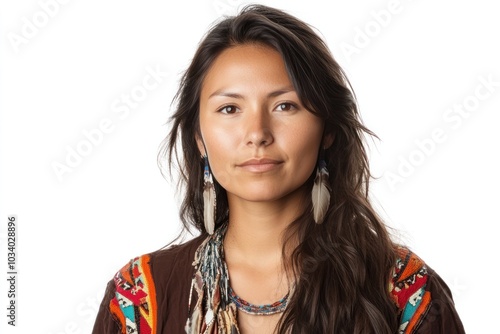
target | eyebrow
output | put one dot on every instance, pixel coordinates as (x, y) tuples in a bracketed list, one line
[(275, 93)]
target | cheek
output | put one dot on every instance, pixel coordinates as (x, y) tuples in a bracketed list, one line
[(219, 139), (304, 142), (219, 144)]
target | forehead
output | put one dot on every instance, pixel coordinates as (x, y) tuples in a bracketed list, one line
[(247, 64)]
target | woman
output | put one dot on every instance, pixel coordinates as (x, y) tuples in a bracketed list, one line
[(276, 180)]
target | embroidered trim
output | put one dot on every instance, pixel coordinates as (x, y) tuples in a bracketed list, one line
[(408, 290), (134, 305)]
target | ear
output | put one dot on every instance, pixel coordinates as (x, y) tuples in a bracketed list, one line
[(328, 140), (201, 146)]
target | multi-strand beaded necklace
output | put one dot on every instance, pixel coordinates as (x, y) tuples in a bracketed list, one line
[(217, 302), (252, 309)]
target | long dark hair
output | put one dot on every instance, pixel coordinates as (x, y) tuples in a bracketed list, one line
[(343, 266)]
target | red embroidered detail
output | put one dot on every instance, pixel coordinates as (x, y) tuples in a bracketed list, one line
[(408, 290), (410, 274), (134, 305)]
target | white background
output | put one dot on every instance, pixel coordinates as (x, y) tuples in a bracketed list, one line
[(70, 72)]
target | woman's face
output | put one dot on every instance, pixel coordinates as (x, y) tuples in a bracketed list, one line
[(262, 144)]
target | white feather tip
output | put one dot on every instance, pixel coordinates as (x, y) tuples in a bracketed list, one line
[(320, 195), (209, 207)]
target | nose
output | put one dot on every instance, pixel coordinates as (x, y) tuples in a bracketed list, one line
[(258, 128)]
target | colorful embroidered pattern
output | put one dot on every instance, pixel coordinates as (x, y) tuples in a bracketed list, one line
[(408, 289), (134, 305)]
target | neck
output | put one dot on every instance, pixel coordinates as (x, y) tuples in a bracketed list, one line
[(256, 229)]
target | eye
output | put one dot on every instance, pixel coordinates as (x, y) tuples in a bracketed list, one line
[(228, 109), (286, 106)]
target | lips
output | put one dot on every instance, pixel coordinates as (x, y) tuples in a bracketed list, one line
[(260, 165)]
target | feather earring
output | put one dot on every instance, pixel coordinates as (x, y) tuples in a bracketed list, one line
[(320, 192), (208, 199)]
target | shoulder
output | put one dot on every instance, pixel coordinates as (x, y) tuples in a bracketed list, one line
[(175, 255), (144, 268), (143, 283), (423, 299)]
